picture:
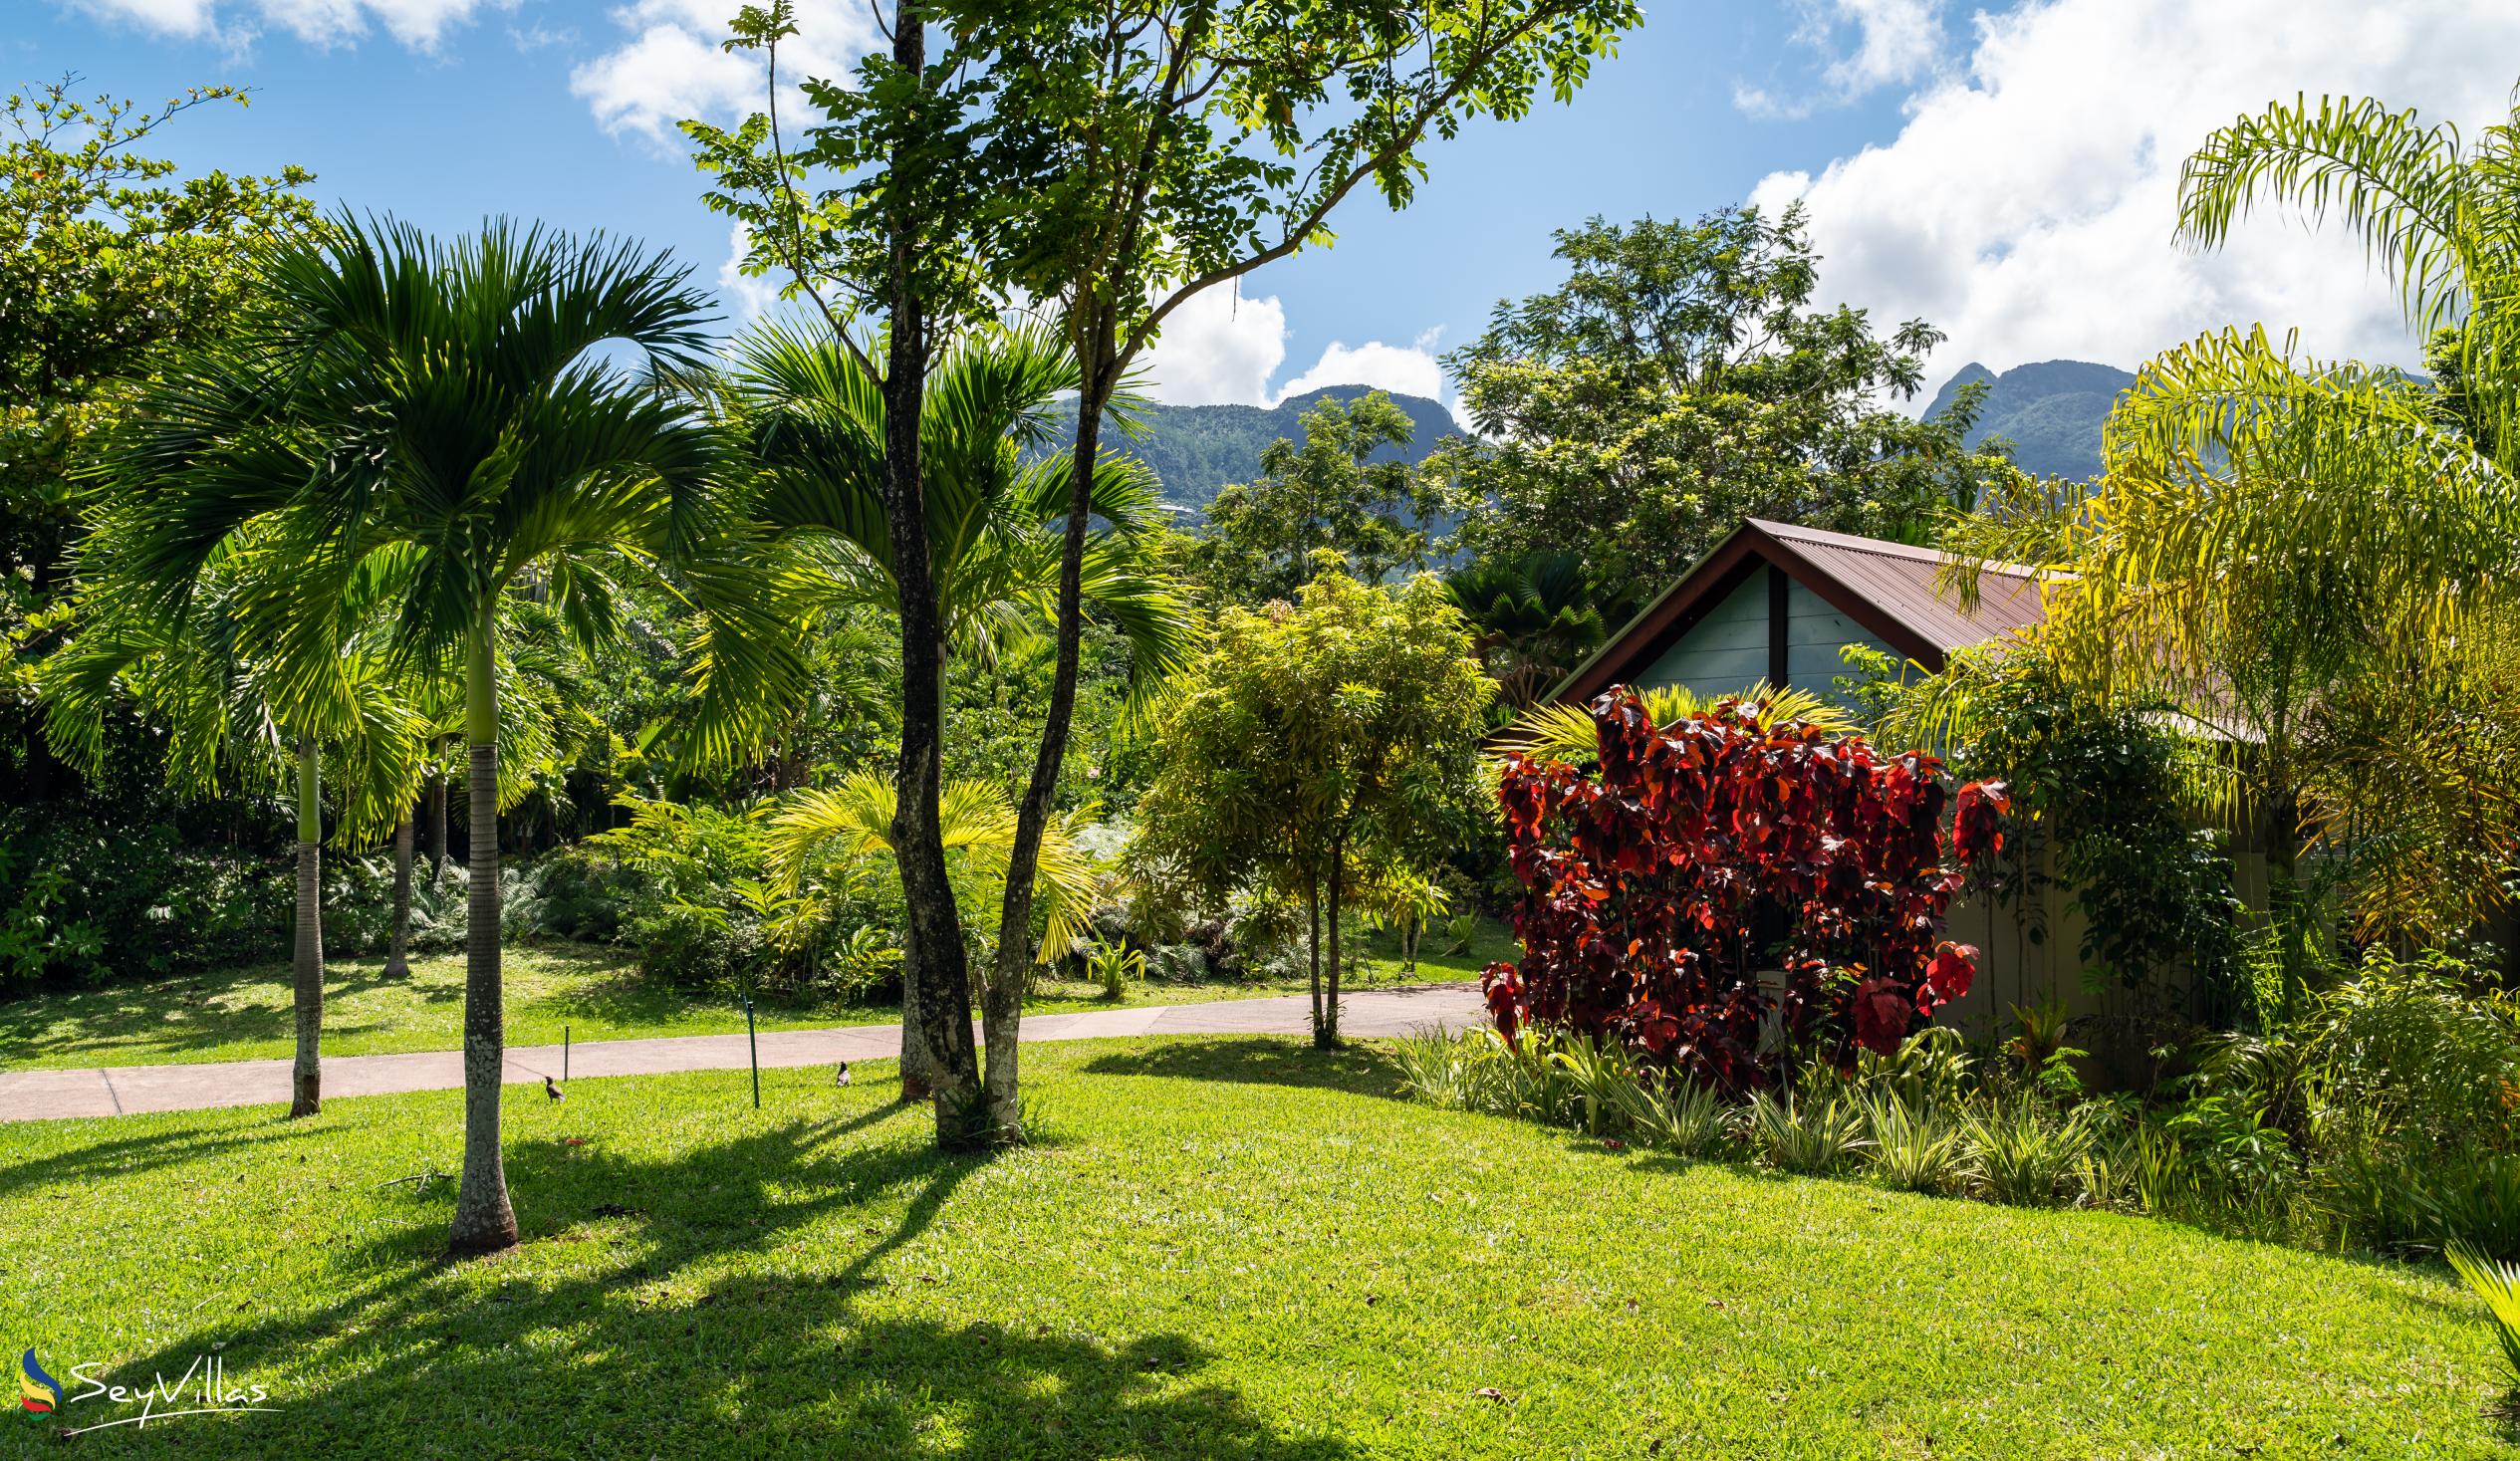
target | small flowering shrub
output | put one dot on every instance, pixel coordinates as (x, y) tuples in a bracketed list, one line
[(1658, 884)]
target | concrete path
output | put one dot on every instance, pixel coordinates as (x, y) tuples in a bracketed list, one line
[(35, 1096)]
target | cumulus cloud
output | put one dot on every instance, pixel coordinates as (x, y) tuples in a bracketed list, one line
[(1219, 347), (1862, 45), (1225, 348), (2026, 206), (418, 24), (671, 65), (1410, 368)]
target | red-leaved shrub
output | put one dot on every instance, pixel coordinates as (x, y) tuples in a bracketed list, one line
[(1702, 852)]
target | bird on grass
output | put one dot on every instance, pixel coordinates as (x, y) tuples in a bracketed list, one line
[(552, 1090), (842, 1080)]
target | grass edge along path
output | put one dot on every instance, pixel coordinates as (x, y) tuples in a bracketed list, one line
[(1226, 1248)]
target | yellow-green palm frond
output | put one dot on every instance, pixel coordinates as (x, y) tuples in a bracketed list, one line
[(1565, 732), (853, 821)]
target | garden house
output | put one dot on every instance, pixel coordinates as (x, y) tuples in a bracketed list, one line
[(1780, 602)]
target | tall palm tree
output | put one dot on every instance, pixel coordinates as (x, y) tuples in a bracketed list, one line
[(541, 688), (812, 414), (218, 687), (475, 434), (2272, 530)]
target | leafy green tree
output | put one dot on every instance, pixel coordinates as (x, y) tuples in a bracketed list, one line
[(1677, 382), (1105, 160), (2312, 557), (1329, 493), (1319, 751), (1149, 152), (900, 230), (474, 436), (105, 256), (815, 421)]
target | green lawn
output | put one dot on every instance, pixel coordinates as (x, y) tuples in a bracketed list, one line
[(1226, 1248), (595, 993)]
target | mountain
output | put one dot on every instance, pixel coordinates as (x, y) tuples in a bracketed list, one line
[(2051, 411), (1196, 449)]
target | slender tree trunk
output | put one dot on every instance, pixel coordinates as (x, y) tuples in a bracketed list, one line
[(399, 950), (1326, 1031), (484, 1221), (937, 1055), (306, 1076), (1002, 1010), (437, 814), (1311, 915)]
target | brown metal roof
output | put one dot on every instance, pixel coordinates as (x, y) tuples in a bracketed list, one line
[(1899, 580), (1887, 588)]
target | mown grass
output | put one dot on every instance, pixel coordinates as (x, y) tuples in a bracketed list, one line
[(1226, 1248), (593, 993)]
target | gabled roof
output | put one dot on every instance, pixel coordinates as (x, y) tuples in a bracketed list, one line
[(1887, 588)]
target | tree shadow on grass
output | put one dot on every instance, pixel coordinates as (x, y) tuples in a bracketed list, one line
[(640, 1339), (1258, 1061), (72, 1168)]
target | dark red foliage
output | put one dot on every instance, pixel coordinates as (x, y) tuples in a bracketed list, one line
[(1705, 850)]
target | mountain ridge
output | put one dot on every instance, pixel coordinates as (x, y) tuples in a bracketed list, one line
[(1196, 449), (2051, 411)]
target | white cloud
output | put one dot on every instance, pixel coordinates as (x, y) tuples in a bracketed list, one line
[(2025, 206), (672, 66), (1409, 369), (1896, 42), (418, 24), (1218, 346), (1225, 348), (752, 298)]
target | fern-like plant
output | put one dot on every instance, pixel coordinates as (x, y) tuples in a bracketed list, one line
[(2498, 1284)]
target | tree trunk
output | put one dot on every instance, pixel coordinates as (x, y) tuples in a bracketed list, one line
[(399, 950), (484, 1221), (1002, 1011), (1326, 1031), (437, 814), (306, 1076), (1311, 915), (938, 1060)]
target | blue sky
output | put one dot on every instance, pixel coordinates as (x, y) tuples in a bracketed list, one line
[(2003, 173)]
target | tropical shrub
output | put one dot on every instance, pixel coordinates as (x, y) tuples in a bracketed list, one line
[(1657, 883), (1114, 967), (1915, 1147), (2024, 1153), (1806, 1134), (85, 900)]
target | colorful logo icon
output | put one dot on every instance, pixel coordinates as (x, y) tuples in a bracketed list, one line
[(38, 1392)]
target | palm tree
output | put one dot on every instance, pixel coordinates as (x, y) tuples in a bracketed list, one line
[(475, 437), (812, 414), (540, 675), (853, 821), (218, 690), (1537, 616), (2274, 532)]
